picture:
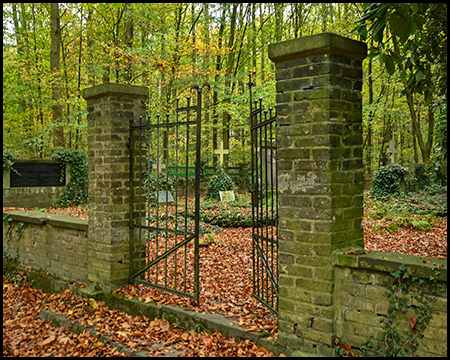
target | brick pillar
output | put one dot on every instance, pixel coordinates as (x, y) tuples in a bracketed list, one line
[(110, 107), (320, 179)]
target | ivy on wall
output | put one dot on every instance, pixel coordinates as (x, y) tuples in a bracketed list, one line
[(76, 191)]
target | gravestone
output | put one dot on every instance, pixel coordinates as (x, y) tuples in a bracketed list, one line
[(159, 165), (383, 159), (163, 197), (227, 196), (37, 174), (37, 183), (392, 150), (221, 152)]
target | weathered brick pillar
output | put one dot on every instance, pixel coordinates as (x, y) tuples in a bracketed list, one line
[(110, 107), (320, 179)]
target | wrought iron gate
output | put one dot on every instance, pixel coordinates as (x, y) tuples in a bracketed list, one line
[(166, 147), (264, 190)]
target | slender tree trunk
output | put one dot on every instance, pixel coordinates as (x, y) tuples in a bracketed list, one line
[(230, 46), (129, 29), (410, 101), (216, 78), (58, 132), (262, 41), (368, 142), (278, 21)]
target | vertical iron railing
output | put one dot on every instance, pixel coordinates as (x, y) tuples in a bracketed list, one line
[(264, 192), (168, 238)]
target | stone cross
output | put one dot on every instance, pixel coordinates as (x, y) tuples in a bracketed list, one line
[(159, 165), (392, 150), (221, 152)]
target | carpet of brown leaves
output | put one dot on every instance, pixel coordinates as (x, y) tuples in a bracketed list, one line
[(226, 288), (25, 334)]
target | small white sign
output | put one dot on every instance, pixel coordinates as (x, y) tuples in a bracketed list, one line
[(227, 196), (163, 197)]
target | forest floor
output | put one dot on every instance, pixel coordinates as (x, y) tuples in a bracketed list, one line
[(226, 288)]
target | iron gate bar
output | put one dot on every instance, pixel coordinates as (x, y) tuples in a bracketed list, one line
[(163, 228), (264, 260), (164, 255), (264, 217)]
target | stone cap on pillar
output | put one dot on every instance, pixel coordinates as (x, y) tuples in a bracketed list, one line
[(116, 89), (315, 45)]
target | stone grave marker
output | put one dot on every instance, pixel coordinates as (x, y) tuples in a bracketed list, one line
[(392, 150), (37, 174), (163, 197), (221, 152), (227, 196)]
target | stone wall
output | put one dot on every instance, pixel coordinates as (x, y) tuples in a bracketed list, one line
[(54, 243), (32, 197), (110, 108), (361, 302), (320, 180)]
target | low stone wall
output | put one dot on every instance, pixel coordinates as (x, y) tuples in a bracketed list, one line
[(361, 301), (54, 243), (32, 197)]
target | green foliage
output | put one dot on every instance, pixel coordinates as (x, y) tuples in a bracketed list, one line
[(76, 191), (440, 142), (8, 162), (221, 181), (417, 210), (387, 181), (157, 182), (406, 287), (422, 176), (227, 215), (432, 200)]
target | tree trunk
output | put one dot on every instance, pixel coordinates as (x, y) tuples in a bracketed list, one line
[(216, 78), (278, 21), (368, 142), (129, 29), (230, 47), (410, 100), (58, 132)]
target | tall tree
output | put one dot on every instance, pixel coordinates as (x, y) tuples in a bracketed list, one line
[(418, 38), (230, 46), (55, 67)]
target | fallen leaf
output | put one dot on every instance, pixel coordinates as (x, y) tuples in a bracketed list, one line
[(412, 322), (253, 328), (48, 340)]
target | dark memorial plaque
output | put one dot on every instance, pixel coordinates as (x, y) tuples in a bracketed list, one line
[(37, 174)]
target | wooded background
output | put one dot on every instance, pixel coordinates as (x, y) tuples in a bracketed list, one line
[(51, 52)]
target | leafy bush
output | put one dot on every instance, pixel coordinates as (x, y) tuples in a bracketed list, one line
[(8, 162), (221, 181), (76, 191), (227, 216), (421, 175), (387, 181)]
